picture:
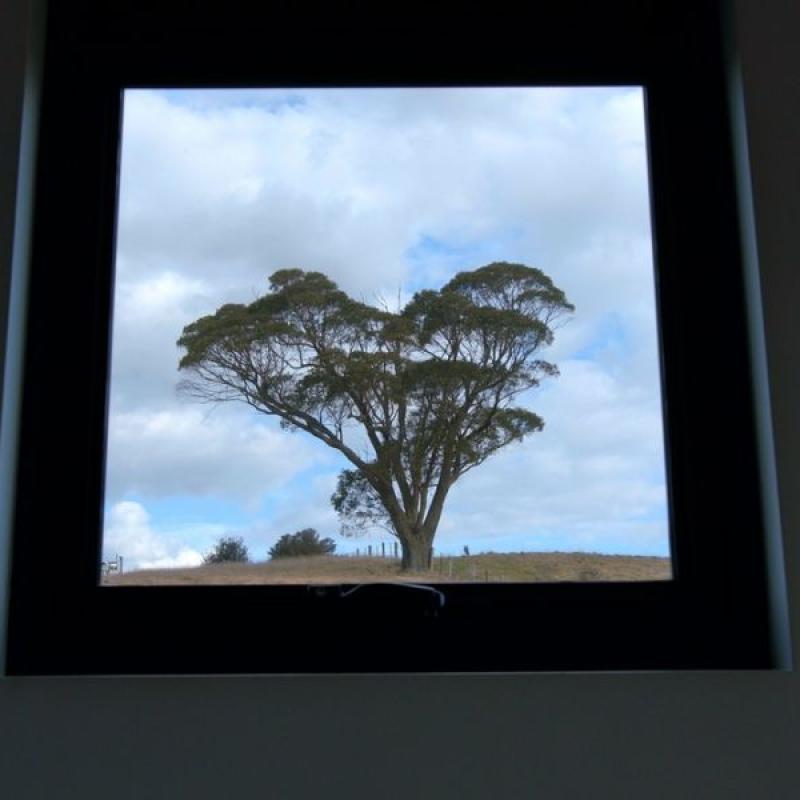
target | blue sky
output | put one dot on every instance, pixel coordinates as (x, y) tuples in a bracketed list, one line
[(387, 192)]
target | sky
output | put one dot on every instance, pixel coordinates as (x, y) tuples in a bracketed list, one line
[(386, 191)]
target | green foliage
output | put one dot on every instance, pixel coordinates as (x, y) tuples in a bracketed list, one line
[(228, 548), (358, 505), (303, 543), (413, 399)]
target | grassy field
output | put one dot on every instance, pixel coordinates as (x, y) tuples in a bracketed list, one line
[(492, 567)]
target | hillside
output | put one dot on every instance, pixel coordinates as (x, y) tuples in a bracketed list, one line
[(494, 567)]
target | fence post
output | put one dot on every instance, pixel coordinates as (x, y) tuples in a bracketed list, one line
[(395, 549), (383, 550), (369, 550), (120, 564)]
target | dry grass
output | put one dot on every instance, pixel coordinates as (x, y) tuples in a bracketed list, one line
[(494, 567)]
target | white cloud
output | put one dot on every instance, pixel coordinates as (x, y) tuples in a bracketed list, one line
[(347, 188), (196, 451), (594, 475), (128, 532), (149, 316)]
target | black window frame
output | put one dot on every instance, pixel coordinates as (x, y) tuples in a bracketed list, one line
[(715, 613)]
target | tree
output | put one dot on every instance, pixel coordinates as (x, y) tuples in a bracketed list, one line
[(303, 543), (228, 548), (413, 400)]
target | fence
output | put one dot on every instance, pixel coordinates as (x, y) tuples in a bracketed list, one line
[(382, 550), (459, 567), (107, 567)]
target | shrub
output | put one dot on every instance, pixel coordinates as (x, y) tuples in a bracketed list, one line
[(228, 548), (302, 543)]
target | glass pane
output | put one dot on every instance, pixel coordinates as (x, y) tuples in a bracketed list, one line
[(418, 339)]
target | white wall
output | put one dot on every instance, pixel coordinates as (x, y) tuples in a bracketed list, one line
[(712, 735)]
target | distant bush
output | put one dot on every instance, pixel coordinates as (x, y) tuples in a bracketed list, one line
[(302, 543), (228, 548)]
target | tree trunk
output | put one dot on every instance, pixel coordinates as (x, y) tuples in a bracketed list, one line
[(416, 553), (417, 542)]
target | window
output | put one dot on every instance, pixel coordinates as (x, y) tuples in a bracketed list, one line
[(714, 613), (387, 192)]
